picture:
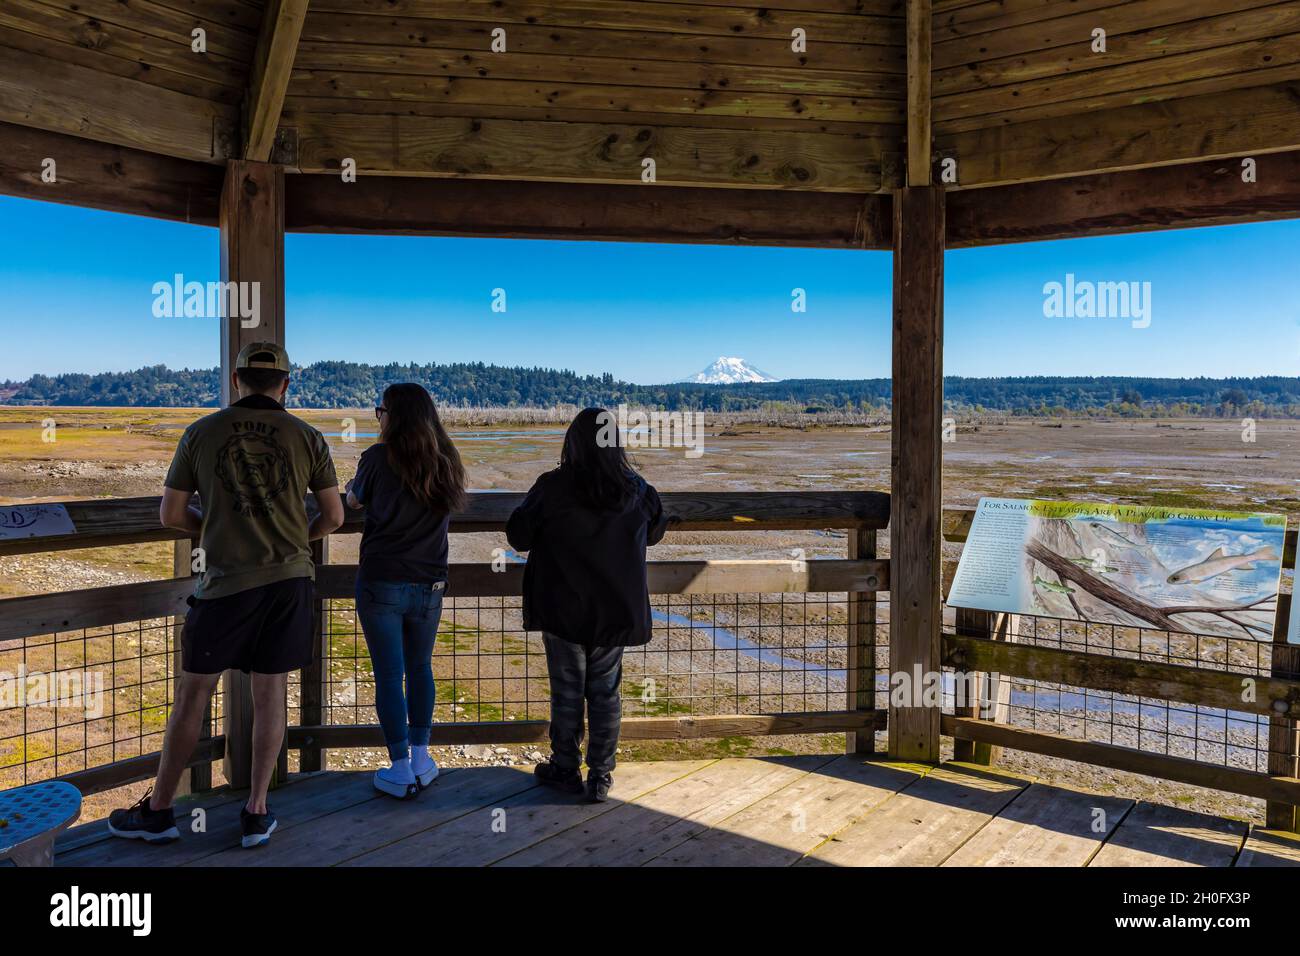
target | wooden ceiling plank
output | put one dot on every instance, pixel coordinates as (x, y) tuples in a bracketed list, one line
[(1245, 79), (475, 37), (441, 63), (1144, 46), (1212, 126), (62, 97), (955, 19), (918, 92), (269, 75), (576, 152), (640, 15), (65, 35), (391, 88), (103, 62), (1220, 61), (1076, 29), (553, 114), (149, 19)]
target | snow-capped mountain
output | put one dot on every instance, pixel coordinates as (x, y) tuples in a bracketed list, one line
[(728, 371)]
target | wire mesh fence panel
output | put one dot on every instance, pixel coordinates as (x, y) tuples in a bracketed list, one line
[(711, 654), (84, 698), (1213, 735)]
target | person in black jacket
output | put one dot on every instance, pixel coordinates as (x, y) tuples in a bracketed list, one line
[(586, 526)]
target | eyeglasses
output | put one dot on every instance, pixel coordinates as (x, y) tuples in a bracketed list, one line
[(380, 411)]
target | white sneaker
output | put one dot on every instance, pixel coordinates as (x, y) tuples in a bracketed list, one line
[(397, 781), (424, 769)]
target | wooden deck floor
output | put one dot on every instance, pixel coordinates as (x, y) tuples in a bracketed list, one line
[(806, 811)]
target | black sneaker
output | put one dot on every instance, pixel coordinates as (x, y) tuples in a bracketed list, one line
[(569, 780), (138, 822), (258, 827), (598, 785)]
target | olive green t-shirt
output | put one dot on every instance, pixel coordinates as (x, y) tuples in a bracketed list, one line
[(252, 465)]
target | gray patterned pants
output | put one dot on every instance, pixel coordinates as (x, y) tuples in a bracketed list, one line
[(579, 675)]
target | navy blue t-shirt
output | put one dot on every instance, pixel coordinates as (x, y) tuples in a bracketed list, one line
[(403, 540)]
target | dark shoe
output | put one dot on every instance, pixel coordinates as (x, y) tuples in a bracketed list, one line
[(598, 785), (568, 780), (138, 822), (257, 827)]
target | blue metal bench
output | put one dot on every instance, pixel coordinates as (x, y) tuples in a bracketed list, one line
[(32, 816)]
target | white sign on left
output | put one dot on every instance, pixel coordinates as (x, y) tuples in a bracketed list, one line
[(34, 521)]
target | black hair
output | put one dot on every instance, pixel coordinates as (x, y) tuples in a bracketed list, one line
[(264, 380), (594, 457)]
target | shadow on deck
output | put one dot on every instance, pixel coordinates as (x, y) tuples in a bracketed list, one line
[(809, 811)]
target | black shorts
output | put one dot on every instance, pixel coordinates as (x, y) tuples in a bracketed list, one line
[(267, 630)]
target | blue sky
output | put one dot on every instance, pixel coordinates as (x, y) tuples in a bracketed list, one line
[(77, 296)]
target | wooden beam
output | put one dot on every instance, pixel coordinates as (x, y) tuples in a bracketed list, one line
[(631, 728), (65, 98), (269, 75), (252, 251), (819, 576), (1168, 197), (1124, 675), (1249, 122), (1195, 772), (104, 522), (104, 176), (918, 92), (613, 152), (119, 773), (633, 213), (915, 614)]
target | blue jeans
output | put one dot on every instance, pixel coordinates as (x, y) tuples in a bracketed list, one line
[(401, 623)]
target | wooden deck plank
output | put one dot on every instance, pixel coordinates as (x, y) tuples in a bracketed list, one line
[(1044, 826), (924, 824), (476, 839), (296, 805), (380, 820), (779, 829), (1155, 835), (1270, 848), (648, 826)]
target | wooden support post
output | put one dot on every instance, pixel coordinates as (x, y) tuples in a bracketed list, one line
[(918, 92), (314, 678), (251, 219), (990, 693), (915, 527), (1282, 739), (861, 667)]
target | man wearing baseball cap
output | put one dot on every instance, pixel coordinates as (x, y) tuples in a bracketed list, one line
[(252, 465)]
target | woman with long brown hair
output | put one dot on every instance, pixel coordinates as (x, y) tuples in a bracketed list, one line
[(409, 483)]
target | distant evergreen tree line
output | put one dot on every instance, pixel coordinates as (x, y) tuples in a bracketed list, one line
[(475, 384)]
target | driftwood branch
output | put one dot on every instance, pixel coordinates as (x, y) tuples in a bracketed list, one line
[(1162, 618)]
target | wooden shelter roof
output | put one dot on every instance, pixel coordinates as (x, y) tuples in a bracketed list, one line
[(714, 92)]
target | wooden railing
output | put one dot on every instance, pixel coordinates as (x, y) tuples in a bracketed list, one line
[(980, 642), (860, 576)]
